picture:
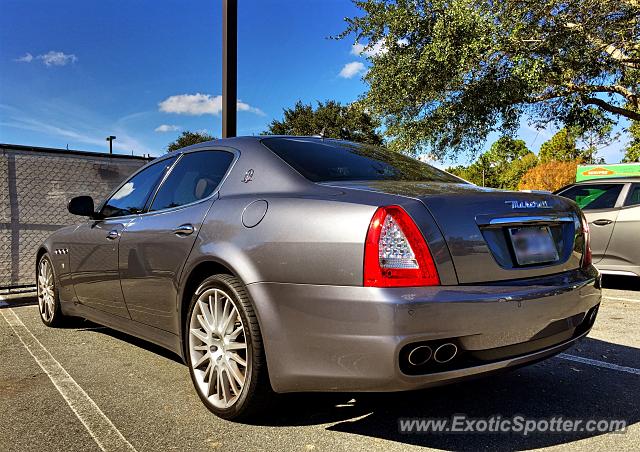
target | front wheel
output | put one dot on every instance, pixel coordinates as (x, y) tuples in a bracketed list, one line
[(224, 349), (48, 300)]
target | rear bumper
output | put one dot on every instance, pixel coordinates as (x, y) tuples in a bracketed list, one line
[(339, 338)]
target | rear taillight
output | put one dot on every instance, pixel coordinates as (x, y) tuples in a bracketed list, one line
[(586, 254), (395, 253)]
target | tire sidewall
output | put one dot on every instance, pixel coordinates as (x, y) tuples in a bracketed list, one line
[(215, 282)]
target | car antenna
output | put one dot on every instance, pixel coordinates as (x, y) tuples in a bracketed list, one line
[(321, 134)]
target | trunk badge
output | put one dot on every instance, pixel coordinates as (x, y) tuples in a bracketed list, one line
[(529, 204)]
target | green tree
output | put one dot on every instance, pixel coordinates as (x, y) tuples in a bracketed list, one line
[(187, 138), (452, 71), (561, 147), (331, 119), (632, 152), (502, 166)]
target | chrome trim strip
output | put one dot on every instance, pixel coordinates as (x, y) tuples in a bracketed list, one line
[(532, 219)]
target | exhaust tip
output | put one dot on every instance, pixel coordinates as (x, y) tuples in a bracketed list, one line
[(445, 353), (420, 355)]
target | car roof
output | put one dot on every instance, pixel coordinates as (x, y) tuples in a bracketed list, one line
[(609, 179), (238, 141)]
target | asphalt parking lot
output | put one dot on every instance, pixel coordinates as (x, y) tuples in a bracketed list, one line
[(132, 395)]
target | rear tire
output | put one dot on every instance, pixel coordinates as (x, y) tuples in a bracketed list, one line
[(48, 299), (224, 349)]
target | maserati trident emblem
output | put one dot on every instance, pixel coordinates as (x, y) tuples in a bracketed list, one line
[(248, 176), (528, 204)]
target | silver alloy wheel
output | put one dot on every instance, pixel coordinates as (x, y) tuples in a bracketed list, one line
[(46, 291), (218, 348)]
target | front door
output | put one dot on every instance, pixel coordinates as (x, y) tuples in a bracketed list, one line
[(93, 261), (155, 246), (93, 250)]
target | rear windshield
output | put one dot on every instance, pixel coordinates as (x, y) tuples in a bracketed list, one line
[(332, 160)]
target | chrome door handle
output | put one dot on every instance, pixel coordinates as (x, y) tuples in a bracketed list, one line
[(113, 234), (602, 222), (185, 229)]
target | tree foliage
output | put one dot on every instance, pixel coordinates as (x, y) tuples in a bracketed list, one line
[(501, 166), (549, 176), (452, 71), (187, 138), (331, 119), (561, 147), (632, 152)]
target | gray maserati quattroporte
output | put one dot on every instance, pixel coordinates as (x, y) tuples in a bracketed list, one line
[(283, 264)]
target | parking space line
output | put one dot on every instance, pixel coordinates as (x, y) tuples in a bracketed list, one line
[(99, 426), (594, 362), (621, 298)]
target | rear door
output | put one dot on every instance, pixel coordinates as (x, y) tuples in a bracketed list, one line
[(601, 204), (624, 247), (155, 245)]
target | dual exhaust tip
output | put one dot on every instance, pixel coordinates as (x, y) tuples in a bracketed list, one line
[(423, 353)]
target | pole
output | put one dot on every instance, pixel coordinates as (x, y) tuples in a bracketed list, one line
[(110, 139), (229, 67)]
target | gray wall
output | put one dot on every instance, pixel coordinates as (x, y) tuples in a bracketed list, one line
[(35, 186)]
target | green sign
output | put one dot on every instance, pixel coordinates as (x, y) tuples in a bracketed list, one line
[(588, 172)]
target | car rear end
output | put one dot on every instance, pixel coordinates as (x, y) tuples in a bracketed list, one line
[(456, 281)]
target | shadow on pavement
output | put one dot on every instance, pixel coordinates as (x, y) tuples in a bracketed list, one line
[(620, 282), (555, 387)]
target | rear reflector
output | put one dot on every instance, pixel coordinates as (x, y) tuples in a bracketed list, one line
[(396, 254)]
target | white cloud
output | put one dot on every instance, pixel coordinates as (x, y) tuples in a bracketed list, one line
[(374, 50), (52, 58), (26, 58), (352, 69), (200, 104), (167, 128)]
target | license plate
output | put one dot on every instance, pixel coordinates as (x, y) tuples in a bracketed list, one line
[(533, 245)]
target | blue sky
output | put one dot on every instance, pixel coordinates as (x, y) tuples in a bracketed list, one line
[(74, 72)]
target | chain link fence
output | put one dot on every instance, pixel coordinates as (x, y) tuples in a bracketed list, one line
[(34, 192)]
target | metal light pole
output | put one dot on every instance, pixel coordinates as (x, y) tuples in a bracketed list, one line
[(110, 139), (229, 67)]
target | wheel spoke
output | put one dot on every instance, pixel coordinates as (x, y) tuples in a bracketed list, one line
[(201, 361), (206, 313), (235, 333), (225, 314), (200, 335), (232, 369), (232, 382), (228, 321), (236, 346), (216, 310), (209, 381), (237, 358), (225, 385), (203, 323)]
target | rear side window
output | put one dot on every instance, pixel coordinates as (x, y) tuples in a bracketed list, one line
[(634, 196), (594, 196), (195, 177), (332, 160)]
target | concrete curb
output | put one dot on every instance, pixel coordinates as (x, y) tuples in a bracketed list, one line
[(20, 299)]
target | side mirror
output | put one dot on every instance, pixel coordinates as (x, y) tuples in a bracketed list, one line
[(82, 205)]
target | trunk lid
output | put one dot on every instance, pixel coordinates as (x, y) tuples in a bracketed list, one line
[(479, 226)]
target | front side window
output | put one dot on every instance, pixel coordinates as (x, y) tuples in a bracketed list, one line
[(194, 177), (131, 197), (594, 196), (333, 160)]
